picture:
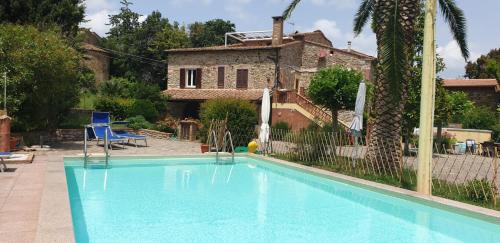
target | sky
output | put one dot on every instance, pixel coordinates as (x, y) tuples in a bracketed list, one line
[(333, 17)]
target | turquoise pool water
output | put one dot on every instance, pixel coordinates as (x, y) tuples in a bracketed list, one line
[(195, 200)]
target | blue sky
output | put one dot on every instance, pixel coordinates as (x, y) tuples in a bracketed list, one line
[(333, 17)]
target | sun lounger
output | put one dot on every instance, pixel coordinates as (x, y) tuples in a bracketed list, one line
[(100, 133), (130, 136)]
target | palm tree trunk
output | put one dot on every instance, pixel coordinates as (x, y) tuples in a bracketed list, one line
[(384, 146)]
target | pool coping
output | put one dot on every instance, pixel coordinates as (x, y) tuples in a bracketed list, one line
[(63, 208)]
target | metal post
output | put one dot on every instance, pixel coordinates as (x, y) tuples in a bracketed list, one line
[(424, 174), (5, 92)]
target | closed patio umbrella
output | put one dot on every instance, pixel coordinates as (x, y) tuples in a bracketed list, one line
[(357, 122), (265, 110)]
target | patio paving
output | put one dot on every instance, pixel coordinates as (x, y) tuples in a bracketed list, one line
[(34, 204)]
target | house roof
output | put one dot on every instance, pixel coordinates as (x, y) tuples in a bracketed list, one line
[(205, 94), (472, 83)]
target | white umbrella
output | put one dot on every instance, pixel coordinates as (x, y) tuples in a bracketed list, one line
[(265, 110), (357, 122)]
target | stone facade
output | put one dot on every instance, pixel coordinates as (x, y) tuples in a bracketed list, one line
[(95, 58), (260, 68)]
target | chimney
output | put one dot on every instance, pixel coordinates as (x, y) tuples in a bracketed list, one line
[(277, 30), (349, 45)]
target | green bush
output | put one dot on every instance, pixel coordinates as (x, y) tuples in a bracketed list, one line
[(479, 118), (241, 116), (143, 108), (496, 133), (118, 107), (152, 93), (43, 78), (116, 87), (139, 122), (479, 190), (281, 125)]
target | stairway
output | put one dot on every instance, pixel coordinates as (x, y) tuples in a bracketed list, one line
[(291, 97)]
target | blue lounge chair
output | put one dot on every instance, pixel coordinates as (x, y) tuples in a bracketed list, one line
[(100, 133), (4, 155), (100, 118), (130, 136)]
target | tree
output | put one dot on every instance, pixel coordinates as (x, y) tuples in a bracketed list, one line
[(210, 33), (42, 72), (335, 89), (460, 104), (45, 14), (394, 24), (139, 48), (486, 66)]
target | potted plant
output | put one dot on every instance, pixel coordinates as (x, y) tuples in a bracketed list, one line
[(204, 148), (13, 143)]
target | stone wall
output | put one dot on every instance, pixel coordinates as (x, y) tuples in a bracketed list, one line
[(98, 62), (154, 134), (295, 119), (481, 96), (260, 68)]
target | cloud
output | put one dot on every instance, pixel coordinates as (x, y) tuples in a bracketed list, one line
[(97, 22), (452, 56), (365, 42), (96, 5), (344, 4)]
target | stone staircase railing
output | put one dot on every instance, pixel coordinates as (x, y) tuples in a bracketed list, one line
[(345, 117)]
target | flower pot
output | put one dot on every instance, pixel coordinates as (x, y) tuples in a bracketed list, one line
[(204, 148), (13, 143)]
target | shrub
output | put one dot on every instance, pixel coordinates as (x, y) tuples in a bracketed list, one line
[(118, 107), (479, 190), (496, 133), (479, 118), (168, 125), (241, 116), (43, 76), (152, 93), (143, 108), (139, 122), (116, 87), (281, 125)]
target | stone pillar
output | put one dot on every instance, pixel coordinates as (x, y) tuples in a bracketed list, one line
[(277, 31), (5, 133)]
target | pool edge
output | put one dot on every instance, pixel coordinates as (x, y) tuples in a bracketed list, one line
[(481, 213)]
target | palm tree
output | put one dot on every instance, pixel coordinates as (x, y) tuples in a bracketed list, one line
[(394, 22)]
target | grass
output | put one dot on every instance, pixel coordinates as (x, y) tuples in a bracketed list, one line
[(476, 192)]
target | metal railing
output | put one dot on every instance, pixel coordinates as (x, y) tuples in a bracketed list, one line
[(86, 155)]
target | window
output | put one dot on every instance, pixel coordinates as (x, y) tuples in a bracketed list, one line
[(220, 77), (242, 78), (191, 78)]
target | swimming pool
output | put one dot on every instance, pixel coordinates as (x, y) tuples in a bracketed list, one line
[(196, 200)]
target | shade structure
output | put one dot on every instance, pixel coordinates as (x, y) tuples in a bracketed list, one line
[(357, 122), (265, 110)]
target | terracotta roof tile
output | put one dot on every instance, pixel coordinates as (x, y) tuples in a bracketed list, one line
[(471, 83), (205, 94)]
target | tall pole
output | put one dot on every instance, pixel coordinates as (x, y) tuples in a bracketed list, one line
[(5, 91), (424, 174)]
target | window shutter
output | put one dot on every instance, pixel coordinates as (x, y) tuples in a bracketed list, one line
[(198, 78), (182, 78), (242, 78), (220, 77)]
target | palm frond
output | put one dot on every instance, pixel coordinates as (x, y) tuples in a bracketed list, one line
[(393, 52), (455, 18), (361, 17), (288, 11)]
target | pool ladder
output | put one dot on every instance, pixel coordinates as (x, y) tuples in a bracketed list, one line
[(87, 156), (226, 141)]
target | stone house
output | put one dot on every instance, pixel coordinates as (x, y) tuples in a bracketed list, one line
[(259, 60), (483, 92), (95, 58)]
